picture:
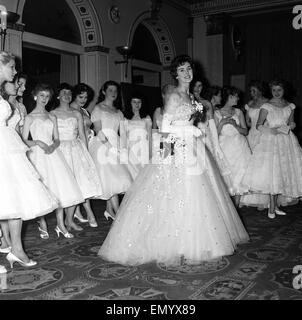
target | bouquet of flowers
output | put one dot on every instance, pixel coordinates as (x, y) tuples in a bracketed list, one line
[(199, 114)]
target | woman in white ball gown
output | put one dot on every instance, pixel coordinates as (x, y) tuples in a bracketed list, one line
[(105, 147), (176, 211), (22, 195), (257, 92), (232, 130), (49, 160), (138, 126), (73, 145), (276, 164)]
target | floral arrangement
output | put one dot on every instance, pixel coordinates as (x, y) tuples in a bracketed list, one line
[(199, 113)]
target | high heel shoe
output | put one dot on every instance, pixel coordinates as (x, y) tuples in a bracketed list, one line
[(107, 215), (93, 224), (43, 233), (82, 220), (6, 250), (66, 234), (11, 258), (280, 212)]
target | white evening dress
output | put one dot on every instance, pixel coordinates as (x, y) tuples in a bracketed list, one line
[(276, 164), (53, 168), (258, 200), (236, 152), (115, 176), (22, 194), (138, 144), (176, 212), (78, 158)]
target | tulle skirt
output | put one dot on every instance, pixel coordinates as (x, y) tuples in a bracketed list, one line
[(82, 167), (57, 176), (175, 213), (276, 167), (115, 176), (237, 155), (22, 194)]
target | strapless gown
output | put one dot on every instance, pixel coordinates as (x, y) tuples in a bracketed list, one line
[(53, 168), (176, 211), (78, 158), (22, 194)]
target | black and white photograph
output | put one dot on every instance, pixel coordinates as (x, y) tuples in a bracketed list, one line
[(150, 150)]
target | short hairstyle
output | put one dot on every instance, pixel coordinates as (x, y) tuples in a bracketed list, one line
[(22, 76), (143, 112), (79, 89), (42, 87), (63, 86), (228, 91), (179, 61), (281, 83)]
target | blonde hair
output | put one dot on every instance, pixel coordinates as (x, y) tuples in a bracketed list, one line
[(6, 57)]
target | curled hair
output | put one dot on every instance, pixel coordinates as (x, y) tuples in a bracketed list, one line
[(42, 87), (228, 91), (143, 111), (79, 89), (6, 57), (63, 86), (179, 61), (117, 103)]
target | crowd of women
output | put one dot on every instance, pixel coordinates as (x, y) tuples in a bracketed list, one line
[(53, 161)]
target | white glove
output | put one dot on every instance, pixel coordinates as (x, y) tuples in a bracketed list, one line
[(215, 140)]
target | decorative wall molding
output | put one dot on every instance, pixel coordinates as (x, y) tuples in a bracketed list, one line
[(97, 48), (217, 6), (161, 34), (87, 18), (180, 5)]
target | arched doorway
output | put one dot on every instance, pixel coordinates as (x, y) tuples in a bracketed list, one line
[(154, 50), (56, 39)]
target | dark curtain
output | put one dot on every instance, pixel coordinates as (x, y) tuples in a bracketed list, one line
[(274, 50)]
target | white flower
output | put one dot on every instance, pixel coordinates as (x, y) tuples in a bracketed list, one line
[(198, 106)]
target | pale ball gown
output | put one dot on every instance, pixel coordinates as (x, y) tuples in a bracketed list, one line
[(78, 158), (53, 168), (22, 194), (258, 200), (236, 152), (137, 131), (114, 174), (276, 163), (176, 211)]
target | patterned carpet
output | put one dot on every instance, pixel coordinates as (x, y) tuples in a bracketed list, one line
[(69, 269)]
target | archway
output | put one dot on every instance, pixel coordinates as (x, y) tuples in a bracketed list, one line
[(54, 46)]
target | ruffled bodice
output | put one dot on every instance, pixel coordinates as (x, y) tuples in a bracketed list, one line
[(68, 128), (277, 116), (42, 129)]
